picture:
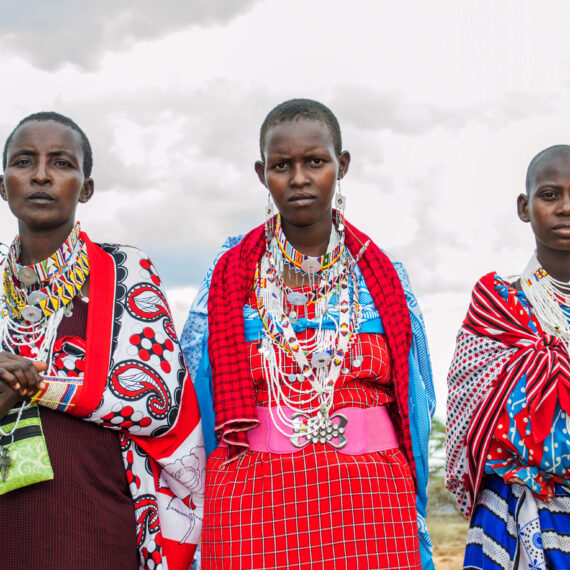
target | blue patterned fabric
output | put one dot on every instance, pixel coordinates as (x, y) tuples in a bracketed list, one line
[(555, 459), (194, 342), (506, 513)]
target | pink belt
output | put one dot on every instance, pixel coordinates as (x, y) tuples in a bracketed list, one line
[(352, 431)]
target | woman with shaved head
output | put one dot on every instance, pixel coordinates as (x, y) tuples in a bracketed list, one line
[(86, 343), (508, 446), (313, 376)]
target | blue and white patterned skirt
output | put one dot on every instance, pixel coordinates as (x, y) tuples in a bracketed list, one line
[(511, 529)]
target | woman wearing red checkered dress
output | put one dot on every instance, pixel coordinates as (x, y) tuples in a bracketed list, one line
[(307, 347)]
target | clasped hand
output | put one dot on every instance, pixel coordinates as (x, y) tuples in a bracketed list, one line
[(22, 374)]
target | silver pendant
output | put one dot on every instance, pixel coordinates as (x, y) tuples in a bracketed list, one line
[(27, 276), (357, 362), (36, 297), (320, 359), (32, 314), (296, 298), (5, 462), (311, 265)]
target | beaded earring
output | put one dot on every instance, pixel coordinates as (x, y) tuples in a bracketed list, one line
[(340, 203), (269, 207), (269, 210)]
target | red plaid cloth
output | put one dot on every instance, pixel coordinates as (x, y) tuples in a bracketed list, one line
[(234, 396), (314, 509)]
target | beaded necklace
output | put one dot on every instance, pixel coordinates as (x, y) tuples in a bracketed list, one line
[(68, 270), (317, 360), (37, 297), (302, 262), (550, 299)]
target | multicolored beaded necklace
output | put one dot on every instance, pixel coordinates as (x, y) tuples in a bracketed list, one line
[(302, 262), (60, 278), (319, 358), (550, 299), (36, 297)]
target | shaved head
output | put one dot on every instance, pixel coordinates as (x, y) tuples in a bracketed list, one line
[(542, 158)]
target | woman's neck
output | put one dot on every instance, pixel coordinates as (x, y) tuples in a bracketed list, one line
[(310, 240), (37, 246), (555, 262)]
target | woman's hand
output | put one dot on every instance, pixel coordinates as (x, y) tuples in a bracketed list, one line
[(22, 374), (8, 399)]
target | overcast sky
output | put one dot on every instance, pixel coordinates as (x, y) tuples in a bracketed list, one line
[(442, 105)]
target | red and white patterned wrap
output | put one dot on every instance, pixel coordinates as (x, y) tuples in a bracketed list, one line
[(496, 347), (136, 381)]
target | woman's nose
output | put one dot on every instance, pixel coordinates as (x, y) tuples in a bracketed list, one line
[(299, 176), (41, 174)]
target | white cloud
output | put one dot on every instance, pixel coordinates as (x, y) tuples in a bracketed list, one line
[(53, 34), (442, 105)]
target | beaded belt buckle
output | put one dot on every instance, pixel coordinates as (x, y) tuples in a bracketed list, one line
[(319, 429)]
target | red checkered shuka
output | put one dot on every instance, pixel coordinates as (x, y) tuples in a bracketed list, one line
[(314, 509), (234, 396)]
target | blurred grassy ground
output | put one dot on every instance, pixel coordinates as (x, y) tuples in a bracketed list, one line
[(448, 537), (447, 526)]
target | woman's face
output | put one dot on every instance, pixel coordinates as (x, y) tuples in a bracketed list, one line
[(300, 170), (43, 180), (547, 208)]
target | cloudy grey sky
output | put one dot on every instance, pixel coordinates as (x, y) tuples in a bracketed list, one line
[(442, 105)]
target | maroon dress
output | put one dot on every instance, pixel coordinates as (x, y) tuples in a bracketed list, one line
[(83, 518)]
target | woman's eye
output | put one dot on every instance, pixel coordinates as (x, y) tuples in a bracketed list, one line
[(60, 163), (22, 162), (280, 165)]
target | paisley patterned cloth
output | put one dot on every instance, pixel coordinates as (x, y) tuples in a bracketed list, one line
[(135, 381)]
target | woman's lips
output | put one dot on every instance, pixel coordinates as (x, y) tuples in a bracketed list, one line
[(40, 198), (562, 230), (301, 200)]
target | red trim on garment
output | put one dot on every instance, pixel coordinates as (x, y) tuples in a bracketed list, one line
[(102, 281)]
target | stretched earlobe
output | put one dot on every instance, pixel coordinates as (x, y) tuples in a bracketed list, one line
[(522, 208)]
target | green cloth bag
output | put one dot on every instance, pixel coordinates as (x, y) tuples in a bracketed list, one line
[(24, 458)]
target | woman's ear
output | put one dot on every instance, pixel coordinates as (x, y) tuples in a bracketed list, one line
[(260, 169), (87, 191), (343, 163), (522, 208), (3, 189)]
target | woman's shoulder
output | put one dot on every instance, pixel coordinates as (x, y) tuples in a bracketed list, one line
[(200, 304), (496, 282)]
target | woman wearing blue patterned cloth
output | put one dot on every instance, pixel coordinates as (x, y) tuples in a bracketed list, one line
[(508, 449), (310, 362)]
